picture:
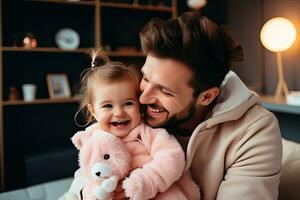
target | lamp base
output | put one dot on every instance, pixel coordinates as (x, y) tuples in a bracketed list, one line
[(281, 90)]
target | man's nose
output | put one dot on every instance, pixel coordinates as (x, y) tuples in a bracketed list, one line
[(147, 96)]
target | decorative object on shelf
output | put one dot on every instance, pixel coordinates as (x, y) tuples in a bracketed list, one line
[(277, 35), (13, 94), (196, 4), (67, 39), (58, 86), (293, 98), (29, 41), (29, 91)]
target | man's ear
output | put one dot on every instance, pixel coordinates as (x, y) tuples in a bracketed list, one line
[(208, 96)]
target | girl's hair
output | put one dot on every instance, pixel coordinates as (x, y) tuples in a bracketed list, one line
[(102, 69)]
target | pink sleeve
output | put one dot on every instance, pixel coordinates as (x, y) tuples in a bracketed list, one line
[(159, 174)]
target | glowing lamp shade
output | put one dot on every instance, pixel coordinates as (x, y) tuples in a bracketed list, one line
[(278, 34)]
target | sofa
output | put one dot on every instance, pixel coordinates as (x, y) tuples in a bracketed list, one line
[(288, 188), (46, 191)]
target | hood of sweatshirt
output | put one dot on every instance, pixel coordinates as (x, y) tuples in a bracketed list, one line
[(234, 100), (232, 103)]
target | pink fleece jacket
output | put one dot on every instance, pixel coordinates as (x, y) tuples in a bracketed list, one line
[(158, 161)]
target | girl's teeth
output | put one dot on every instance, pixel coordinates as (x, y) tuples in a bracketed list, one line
[(156, 110), (120, 123)]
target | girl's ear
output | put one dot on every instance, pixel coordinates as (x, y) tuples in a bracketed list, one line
[(208, 96), (91, 109)]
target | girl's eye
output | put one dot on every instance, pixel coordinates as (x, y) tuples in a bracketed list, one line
[(129, 103), (107, 106)]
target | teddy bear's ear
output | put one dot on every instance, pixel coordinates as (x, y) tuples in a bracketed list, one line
[(79, 139)]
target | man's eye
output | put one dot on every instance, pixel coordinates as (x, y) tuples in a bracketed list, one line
[(145, 78), (107, 106), (166, 92)]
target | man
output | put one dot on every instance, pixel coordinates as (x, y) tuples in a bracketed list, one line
[(233, 145)]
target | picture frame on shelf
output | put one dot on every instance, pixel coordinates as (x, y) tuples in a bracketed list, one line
[(58, 86)]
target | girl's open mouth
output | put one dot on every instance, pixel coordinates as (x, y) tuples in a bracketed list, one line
[(120, 124)]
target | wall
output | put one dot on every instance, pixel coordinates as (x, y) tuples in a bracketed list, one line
[(259, 70), (215, 10), (245, 19)]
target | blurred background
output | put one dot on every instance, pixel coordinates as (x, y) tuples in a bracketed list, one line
[(43, 49)]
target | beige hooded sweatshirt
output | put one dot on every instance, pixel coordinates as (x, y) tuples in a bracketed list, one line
[(235, 153)]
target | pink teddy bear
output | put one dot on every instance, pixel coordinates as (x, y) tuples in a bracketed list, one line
[(104, 160)]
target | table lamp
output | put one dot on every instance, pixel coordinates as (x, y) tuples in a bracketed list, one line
[(277, 35)]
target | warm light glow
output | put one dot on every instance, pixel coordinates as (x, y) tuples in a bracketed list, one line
[(278, 34), (196, 4)]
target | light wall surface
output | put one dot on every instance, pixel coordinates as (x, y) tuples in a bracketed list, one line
[(259, 69)]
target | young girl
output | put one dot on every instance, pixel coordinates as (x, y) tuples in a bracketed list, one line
[(111, 93)]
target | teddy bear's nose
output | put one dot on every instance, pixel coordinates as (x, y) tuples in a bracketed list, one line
[(98, 173)]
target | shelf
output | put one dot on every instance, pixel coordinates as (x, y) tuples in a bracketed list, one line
[(136, 7), (85, 2), (41, 101), (279, 106), (117, 53), (110, 5), (45, 49), (122, 53), (93, 20)]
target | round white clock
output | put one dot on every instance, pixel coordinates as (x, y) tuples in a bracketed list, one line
[(67, 39)]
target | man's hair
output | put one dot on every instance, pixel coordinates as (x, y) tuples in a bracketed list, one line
[(194, 40)]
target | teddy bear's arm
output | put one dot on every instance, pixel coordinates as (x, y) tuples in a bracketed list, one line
[(106, 187)]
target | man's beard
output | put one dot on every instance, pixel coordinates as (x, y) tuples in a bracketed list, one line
[(175, 121)]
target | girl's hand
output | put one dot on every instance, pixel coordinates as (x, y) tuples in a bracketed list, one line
[(119, 192)]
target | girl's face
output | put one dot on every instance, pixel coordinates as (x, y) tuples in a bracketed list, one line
[(115, 106)]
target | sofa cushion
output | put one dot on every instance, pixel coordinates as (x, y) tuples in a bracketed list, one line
[(290, 176), (45, 191)]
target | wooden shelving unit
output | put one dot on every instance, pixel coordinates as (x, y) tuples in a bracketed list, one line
[(7, 49), (41, 101), (45, 49), (1, 107), (85, 2), (117, 53), (136, 7)]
